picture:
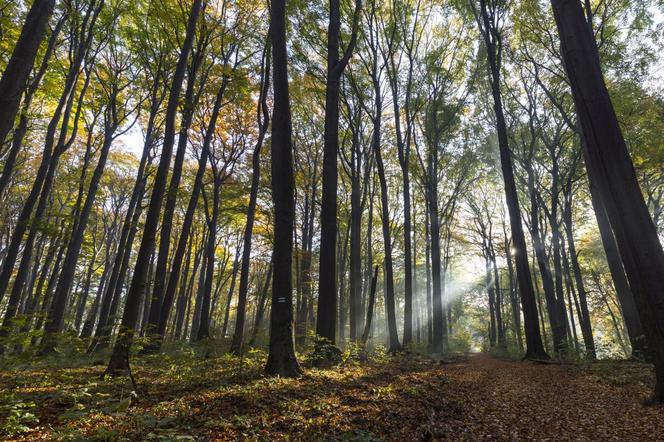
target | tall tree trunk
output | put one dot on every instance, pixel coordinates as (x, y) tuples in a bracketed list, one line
[(263, 120), (326, 321), (610, 168), (492, 39), (403, 150), (557, 325), (54, 321), (390, 307), (204, 322), (355, 274), (176, 264), (15, 76), (438, 317), (427, 268), (119, 360), (281, 359), (161, 274), (584, 318)]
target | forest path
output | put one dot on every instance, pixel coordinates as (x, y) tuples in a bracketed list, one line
[(509, 400), (404, 398)]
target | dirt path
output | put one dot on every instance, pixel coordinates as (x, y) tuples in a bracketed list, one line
[(508, 400)]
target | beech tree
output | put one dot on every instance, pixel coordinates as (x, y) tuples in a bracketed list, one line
[(281, 359)]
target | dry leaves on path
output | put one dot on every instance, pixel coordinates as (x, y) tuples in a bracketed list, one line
[(403, 398)]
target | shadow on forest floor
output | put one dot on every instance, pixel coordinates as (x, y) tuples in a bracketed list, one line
[(184, 397)]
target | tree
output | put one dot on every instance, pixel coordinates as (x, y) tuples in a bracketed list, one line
[(18, 68), (263, 120), (611, 169), (281, 360), (490, 17), (326, 322), (119, 360)]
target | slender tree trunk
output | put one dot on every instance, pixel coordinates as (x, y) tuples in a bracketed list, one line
[(427, 269), (326, 321), (263, 119), (535, 347), (514, 304), (161, 273), (557, 326), (355, 275), (119, 360), (343, 299), (176, 264), (54, 321), (584, 318), (390, 308), (204, 322), (370, 307)]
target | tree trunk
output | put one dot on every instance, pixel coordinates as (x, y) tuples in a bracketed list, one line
[(611, 169), (176, 264), (535, 347), (584, 319), (120, 357), (370, 307), (263, 119), (161, 273), (281, 359), (623, 290), (54, 321), (18, 68), (390, 308), (204, 322), (326, 321)]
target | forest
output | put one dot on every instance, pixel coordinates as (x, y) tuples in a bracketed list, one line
[(341, 220)]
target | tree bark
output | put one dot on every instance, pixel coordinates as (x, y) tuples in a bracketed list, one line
[(263, 120), (281, 359), (20, 64), (326, 321), (119, 360), (611, 169), (492, 39)]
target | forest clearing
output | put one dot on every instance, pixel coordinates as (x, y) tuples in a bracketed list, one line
[(469, 397)]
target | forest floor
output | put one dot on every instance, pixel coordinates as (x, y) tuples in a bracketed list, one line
[(469, 397)]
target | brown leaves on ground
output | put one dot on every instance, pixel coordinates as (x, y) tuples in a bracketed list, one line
[(402, 398)]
